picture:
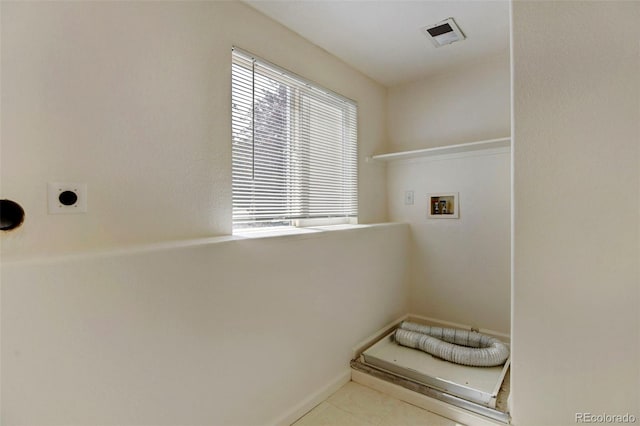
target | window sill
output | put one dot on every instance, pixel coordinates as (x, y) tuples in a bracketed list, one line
[(291, 230)]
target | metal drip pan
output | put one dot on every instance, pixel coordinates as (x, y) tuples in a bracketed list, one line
[(479, 385)]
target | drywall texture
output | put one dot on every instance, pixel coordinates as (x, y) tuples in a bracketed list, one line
[(465, 104), (217, 334), (133, 99), (576, 328), (460, 267)]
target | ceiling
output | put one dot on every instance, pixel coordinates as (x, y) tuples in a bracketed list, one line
[(383, 40)]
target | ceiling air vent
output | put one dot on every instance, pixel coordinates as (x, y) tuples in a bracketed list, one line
[(442, 33)]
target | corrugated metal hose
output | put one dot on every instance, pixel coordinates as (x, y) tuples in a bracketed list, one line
[(457, 346)]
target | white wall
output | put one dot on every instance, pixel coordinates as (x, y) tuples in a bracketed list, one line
[(460, 268), (467, 103), (576, 327), (213, 334), (133, 99)]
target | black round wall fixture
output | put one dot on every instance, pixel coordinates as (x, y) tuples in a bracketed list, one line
[(11, 215), (68, 198)]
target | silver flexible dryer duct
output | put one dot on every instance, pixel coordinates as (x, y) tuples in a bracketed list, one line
[(458, 346)]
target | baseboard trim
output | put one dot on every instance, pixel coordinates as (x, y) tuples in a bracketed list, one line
[(313, 400)]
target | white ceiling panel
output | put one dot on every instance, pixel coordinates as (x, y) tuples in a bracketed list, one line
[(383, 40)]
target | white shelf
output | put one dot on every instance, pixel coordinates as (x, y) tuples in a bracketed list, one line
[(441, 150)]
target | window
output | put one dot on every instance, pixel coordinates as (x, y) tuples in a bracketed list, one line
[(294, 148)]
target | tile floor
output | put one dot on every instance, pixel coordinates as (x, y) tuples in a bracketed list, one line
[(357, 405)]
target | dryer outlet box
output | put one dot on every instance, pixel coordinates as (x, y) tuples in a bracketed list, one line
[(67, 198)]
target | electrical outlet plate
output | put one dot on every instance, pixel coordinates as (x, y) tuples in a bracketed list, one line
[(54, 189), (408, 197)]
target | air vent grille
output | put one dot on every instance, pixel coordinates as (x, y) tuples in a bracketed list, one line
[(443, 33)]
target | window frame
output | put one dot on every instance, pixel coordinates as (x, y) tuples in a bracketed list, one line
[(295, 195)]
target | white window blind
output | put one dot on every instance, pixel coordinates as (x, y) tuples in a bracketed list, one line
[(294, 147)]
